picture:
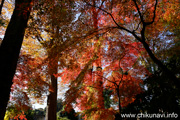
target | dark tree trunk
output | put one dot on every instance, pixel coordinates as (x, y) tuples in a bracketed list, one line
[(52, 101), (118, 115), (52, 97), (10, 49)]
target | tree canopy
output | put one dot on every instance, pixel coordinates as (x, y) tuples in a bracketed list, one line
[(113, 56)]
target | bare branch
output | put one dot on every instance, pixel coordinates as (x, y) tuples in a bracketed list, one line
[(154, 12), (101, 6), (139, 12)]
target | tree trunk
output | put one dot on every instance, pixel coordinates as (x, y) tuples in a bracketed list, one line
[(52, 97), (118, 115), (52, 101), (10, 49)]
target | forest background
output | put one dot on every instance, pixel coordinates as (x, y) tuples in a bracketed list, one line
[(112, 56)]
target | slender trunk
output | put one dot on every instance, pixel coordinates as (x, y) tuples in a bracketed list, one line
[(118, 116), (2, 3), (52, 97), (52, 101), (10, 49)]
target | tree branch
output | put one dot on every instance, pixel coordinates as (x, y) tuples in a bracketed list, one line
[(100, 5), (118, 26), (148, 23), (105, 78), (139, 12)]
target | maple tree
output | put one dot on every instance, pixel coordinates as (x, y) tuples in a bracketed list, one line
[(146, 14)]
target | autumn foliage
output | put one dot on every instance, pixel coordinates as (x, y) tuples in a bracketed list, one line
[(102, 50)]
